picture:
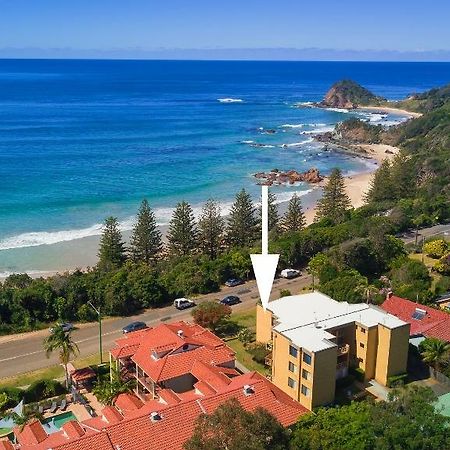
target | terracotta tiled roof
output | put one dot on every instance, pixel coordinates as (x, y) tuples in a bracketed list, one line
[(72, 429), (435, 323), (6, 445), (97, 441), (32, 434), (128, 402)]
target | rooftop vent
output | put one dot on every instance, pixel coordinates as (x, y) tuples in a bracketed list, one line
[(180, 333), (248, 390), (155, 416)]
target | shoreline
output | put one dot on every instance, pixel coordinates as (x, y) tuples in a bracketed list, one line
[(389, 109), (356, 187)]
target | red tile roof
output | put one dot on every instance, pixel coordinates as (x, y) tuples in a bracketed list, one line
[(435, 323), (175, 348), (6, 445), (128, 402), (32, 434), (97, 441), (72, 429)]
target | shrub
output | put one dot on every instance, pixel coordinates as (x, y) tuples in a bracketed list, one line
[(285, 293), (246, 336), (42, 389), (435, 249), (443, 265), (15, 395), (258, 352), (397, 380), (211, 314)]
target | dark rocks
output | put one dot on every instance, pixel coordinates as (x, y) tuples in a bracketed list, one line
[(278, 177)]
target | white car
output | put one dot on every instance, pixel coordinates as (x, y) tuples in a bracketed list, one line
[(183, 303), (290, 273)]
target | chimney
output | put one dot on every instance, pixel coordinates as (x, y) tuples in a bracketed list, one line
[(248, 390), (180, 333)]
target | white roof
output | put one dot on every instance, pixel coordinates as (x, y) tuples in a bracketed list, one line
[(305, 318)]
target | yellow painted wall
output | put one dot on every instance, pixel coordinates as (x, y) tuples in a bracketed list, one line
[(324, 377), (392, 352), (263, 325), (368, 354), (280, 365)]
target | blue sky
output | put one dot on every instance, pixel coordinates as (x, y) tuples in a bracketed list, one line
[(106, 25)]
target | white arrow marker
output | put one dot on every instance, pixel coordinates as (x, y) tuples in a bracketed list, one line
[(265, 265)]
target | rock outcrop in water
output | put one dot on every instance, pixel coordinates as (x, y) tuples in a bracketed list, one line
[(278, 177), (348, 94)]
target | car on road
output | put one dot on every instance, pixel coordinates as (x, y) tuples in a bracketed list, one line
[(66, 327), (183, 303), (230, 300), (233, 282), (134, 326), (290, 273)]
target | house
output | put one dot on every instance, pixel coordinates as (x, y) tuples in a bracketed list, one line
[(165, 357), (181, 371), (424, 321), (315, 340)]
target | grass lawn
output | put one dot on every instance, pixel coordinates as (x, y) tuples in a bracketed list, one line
[(49, 373)]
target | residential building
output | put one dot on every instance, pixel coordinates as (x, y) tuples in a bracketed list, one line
[(424, 321), (315, 340), (181, 371)]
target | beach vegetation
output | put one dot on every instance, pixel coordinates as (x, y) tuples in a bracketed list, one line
[(335, 203), (243, 224), (146, 240), (211, 227), (294, 218), (182, 236), (111, 254)]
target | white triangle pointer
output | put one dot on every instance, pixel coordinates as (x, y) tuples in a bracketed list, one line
[(264, 265)]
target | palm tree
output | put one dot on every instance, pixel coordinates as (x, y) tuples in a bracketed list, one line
[(27, 416), (435, 352), (108, 390), (61, 340)]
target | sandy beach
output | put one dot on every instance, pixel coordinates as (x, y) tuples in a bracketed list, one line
[(82, 253), (388, 109)]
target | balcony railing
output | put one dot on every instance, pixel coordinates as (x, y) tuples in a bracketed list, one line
[(343, 349), (146, 382)]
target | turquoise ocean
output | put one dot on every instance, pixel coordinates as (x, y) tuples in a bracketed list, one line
[(82, 140)]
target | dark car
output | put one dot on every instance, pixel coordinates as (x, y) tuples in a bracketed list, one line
[(66, 327), (233, 282), (230, 300), (134, 326)]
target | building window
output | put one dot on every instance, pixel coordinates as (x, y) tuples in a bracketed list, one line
[(292, 367), (363, 330), (305, 374), (361, 345), (307, 358), (306, 391), (293, 351), (292, 383)]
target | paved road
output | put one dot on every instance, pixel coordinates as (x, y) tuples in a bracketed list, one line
[(438, 231), (23, 353)]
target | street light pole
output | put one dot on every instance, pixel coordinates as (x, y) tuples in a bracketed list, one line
[(98, 311)]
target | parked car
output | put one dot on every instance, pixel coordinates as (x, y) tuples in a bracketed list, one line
[(134, 326), (230, 300), (183, 303), (290, 273), (66, 327), (233, 282)]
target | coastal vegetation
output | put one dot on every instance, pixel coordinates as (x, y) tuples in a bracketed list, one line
[(358, 250)]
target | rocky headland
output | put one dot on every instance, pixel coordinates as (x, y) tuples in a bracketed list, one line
[(278, 177)]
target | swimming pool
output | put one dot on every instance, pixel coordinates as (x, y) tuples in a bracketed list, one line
[(53, 424)]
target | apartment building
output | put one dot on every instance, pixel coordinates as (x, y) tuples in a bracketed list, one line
[(315, 340)]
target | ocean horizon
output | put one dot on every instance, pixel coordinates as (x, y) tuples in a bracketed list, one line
[(81, 140)]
